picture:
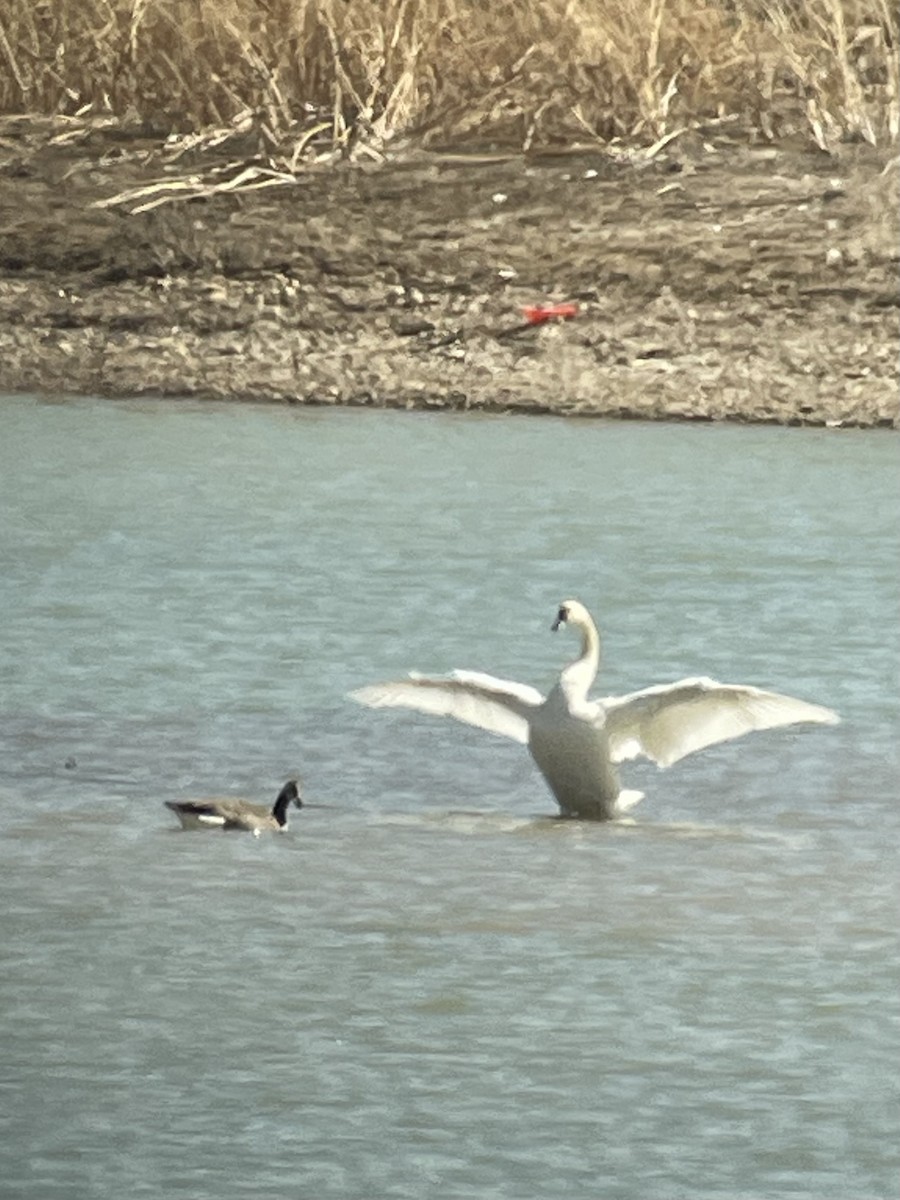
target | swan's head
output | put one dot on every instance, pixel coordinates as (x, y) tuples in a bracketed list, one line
[(572, 612)]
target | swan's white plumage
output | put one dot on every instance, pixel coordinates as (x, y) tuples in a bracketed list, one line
[(666, 722), (497, 705), (575, 741)]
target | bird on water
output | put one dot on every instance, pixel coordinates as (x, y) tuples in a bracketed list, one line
[(236, 814), (578, 743)]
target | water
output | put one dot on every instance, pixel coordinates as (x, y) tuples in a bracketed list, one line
[(429, 987)]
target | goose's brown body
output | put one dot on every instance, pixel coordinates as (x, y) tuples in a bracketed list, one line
[(232, 814)]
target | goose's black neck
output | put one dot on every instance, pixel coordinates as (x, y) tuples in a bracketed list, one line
[(288, 793)]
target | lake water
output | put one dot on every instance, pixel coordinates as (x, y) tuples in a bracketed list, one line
[(429, 987)]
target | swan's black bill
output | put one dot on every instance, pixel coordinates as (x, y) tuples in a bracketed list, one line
[(561, 617)]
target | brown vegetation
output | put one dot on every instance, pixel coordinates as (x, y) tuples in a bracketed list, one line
[(354, 201), (323, 75)]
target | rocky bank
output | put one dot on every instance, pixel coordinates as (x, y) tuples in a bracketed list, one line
[(712, 282)]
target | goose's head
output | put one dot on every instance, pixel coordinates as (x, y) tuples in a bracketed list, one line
[(572, 612), (289, 794)]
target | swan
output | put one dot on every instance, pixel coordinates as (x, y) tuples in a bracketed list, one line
[(237, 814), (577, 743)]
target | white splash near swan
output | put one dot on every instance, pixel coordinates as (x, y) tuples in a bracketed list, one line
[(577, 742)]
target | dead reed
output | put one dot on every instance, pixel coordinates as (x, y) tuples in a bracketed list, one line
[(339, 74)]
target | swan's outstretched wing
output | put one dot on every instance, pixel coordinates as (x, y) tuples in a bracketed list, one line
[(671, 720), (497, 705)]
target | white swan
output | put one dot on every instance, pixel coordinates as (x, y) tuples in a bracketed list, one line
[(577, 742)]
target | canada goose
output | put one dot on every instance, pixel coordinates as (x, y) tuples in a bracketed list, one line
[(237, 814), (576, 742)]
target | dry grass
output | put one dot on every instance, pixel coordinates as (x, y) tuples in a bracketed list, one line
[(339, 74)]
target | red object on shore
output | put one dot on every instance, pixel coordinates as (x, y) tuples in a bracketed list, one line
[(536, 314)]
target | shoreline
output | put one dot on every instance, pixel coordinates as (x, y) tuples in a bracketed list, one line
[(711, 284)]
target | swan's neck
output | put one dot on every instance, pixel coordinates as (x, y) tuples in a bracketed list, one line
[(578, 677)]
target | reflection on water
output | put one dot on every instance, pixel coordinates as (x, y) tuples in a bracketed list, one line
[(431, 985)]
